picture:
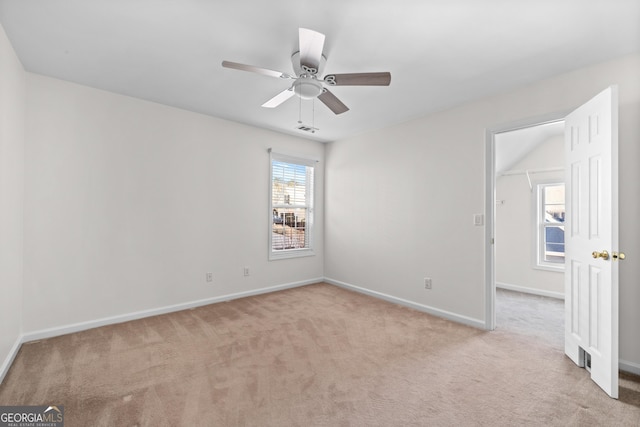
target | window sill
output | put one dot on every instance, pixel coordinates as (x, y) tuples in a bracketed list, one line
[(291, 253), (556, 269)]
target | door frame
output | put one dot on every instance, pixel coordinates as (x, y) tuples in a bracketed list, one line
[(490, 203)]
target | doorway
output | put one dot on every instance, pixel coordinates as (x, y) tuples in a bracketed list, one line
[(529, 231), (520, 157)]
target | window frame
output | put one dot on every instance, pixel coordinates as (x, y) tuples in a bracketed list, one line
[(308, 250), (539, 227)]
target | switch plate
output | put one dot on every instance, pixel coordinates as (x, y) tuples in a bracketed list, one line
[(478, 219), (427, 283), (246, 271), (209, 277)]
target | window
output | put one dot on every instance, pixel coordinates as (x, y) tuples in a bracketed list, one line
[(550, 215), (291, 207)]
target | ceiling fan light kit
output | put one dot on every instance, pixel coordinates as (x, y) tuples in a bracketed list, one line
[(307, 62), (307, 88)]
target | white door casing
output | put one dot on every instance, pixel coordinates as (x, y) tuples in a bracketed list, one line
[(591, 284)]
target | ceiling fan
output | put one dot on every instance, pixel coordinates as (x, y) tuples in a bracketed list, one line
[(307, 62)]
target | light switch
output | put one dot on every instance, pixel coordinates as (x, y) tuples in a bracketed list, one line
[(478, 219)]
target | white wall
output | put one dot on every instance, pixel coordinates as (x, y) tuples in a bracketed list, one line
[(129, 203), (12, 116), (515, 218), (399, 202)]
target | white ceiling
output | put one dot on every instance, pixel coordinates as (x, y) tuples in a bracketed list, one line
[(513, 146), (440, 53)]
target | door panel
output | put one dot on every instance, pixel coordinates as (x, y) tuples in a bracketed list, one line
[(594, 197), (591, 283), (595, 300)]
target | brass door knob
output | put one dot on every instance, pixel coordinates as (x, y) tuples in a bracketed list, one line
[(618, 256), (604, 254)]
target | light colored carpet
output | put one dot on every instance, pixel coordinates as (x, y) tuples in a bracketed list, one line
[(531, 315), (311, 356)]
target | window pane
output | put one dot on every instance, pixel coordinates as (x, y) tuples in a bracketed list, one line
[(550, 225), (289, 229), (289, 184), (554, 244), (554, 203), (554, 194), (554, 213)]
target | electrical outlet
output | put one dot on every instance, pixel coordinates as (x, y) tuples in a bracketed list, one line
[(427, 283), (246, 271), (209, 277)]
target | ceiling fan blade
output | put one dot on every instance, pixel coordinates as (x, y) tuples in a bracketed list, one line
[(279, 98), (251, 68), (311, 45), (332, 101), (359, 79)]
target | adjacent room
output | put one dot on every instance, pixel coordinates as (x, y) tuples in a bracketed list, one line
[(320, 213), (529, 232)]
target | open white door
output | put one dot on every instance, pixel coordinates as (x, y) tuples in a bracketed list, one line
[(591, 238)]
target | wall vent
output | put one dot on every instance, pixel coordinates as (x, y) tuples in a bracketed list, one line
[(305, 128)]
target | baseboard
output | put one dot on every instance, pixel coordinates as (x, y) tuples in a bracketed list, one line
[(82, 326), (523, 289), (632, 368), (8, 361), (421, 307)]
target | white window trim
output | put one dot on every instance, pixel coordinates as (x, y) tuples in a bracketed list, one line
[(310, 228), (538, 262)]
